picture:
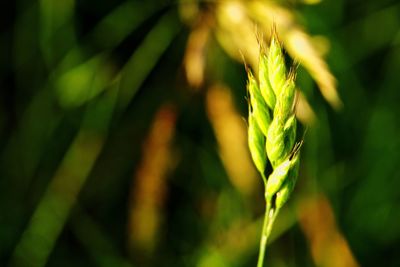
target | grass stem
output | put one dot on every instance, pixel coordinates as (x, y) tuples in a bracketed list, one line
[(264, 238), (269, 219)]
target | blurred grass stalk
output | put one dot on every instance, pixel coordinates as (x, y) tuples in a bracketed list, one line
[(230, 131), (328, 246), (149, 187), (54, 207)]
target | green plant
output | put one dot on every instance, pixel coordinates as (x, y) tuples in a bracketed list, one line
[(272, 132)]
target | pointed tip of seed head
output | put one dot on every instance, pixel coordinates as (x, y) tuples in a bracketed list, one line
[(292, 73), (274, 32), (244, 61), (260, 41), (263, 57), (247, 97), (245, 122), (296, 64), (274, 36), (295, 102), (250, 75), (296, 149), (251, 81)]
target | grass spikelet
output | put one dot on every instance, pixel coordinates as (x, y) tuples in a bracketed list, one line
[(266, 90), (259, 107), (256, 142), (276, 65)]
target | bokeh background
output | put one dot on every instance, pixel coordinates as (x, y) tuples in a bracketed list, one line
[(123, 133)]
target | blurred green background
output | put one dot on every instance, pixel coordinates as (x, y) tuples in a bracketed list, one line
[(123, 136)]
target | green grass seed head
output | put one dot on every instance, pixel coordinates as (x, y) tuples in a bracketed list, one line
[(272, 131)]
